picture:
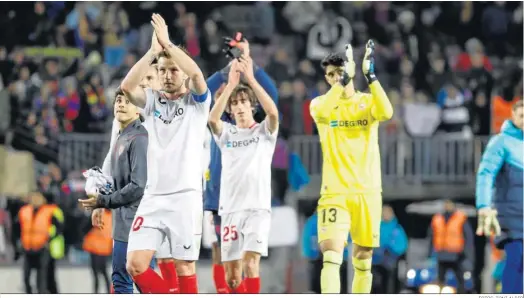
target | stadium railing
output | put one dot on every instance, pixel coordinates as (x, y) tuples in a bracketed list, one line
[(437, 159), (82, 151)]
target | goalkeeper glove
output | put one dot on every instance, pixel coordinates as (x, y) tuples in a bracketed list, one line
[(487, 222), (368, 65), (349, 67), (231, 50)]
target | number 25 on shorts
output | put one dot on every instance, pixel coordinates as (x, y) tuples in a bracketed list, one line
[(230, 233)]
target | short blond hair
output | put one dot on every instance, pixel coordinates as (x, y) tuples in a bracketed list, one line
[(165, 54)]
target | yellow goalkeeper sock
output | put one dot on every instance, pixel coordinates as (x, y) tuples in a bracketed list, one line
[(330, 275), (362, 277)]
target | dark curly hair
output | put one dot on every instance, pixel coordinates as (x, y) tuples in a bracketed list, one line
[(242, 89), (335, 59), (119, 92)]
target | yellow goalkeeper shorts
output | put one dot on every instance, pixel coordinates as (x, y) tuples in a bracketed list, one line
[(357, 214)]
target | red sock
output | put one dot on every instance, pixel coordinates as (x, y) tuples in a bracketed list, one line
[(219, 277), (111, 289), (252, 285), (150, 282), (241, 289), (188, 284), (169, 276)]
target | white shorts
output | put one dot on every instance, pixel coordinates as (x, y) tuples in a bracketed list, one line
[(244, 231), (164, 251), (176, 227)]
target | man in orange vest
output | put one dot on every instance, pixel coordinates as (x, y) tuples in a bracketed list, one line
[(452, 241), (39, 224), (99, 244)]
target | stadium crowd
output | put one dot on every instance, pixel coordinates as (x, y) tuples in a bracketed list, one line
[(448, 67)]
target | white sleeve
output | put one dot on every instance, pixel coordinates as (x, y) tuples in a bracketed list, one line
[(106, 166), (151, 95), (221, 139), (272, 136)]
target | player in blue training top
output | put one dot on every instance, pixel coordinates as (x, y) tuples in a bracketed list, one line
[(499, 197)]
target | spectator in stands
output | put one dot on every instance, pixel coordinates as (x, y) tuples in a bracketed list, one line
[(43, 26), (191, 35), (115, 26), (302, 14), (438, 75), (212, 45), (278, 67), (393, 246), (455, 112), (407, 21), (94, 96), (452, 240), (464, 63), (297, 107), (495, 26), (378, 17), (129, 60), (307, 74), (421, 117), (405, 75)]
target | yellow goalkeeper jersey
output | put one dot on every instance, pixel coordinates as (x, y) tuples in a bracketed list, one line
[(348, 131)]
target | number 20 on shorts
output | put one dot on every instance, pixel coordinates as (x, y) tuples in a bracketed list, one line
[(230, 233)]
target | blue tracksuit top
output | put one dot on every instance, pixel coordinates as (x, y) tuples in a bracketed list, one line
[(212, 192), (499, 180)]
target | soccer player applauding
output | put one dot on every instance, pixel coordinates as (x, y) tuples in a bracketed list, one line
[(351, 193), (245, 188)]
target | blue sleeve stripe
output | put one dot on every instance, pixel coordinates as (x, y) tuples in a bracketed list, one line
[(200, 98)]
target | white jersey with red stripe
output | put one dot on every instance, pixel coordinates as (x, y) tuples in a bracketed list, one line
[(177, 132), (247, 154)]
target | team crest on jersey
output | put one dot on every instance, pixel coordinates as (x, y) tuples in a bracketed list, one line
[(361, 106), (162, 100), (233, 130)]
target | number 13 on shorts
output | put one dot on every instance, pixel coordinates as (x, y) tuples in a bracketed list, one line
[(333, 223)]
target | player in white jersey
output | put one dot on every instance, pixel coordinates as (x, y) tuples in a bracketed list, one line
[(245, 189), (163, 254), (176, 118)]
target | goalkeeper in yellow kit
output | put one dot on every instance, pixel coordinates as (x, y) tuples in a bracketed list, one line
[(351, 194)]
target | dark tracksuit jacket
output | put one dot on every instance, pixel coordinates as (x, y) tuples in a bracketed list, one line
[(129, 171)]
